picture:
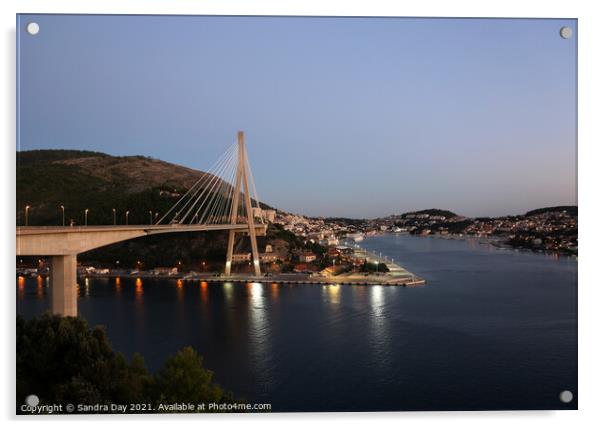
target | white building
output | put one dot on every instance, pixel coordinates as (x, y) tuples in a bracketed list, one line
[(269, 215)]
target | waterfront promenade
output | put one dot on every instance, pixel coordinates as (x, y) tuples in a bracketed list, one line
[(396, 276), (383, 279)]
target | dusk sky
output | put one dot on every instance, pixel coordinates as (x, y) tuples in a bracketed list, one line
[(356, 117)]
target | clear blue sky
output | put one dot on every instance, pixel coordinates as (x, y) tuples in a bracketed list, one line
[(359, 117)]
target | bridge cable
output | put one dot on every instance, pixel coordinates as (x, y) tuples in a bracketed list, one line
[(207, 195), (196, 187)]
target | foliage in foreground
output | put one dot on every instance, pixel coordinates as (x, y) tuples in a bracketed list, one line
[(61, 360)]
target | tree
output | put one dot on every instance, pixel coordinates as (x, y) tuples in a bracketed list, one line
[(61, 360), (370, 267), (183, 378)]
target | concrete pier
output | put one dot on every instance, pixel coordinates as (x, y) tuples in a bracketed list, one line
[(63, 285)]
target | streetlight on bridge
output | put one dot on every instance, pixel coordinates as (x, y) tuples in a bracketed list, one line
[(150, 212), (86, 217), (127, 214), (114, 217), (26, 215), (63, 209)]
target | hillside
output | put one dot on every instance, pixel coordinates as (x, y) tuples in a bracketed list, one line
[(79, 180), (47, 179)]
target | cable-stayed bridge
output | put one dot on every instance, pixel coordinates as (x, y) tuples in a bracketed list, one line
[(223, 199)]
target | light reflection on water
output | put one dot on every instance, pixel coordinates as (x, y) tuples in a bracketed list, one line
[(259, 332), (228, 291), (204, 292), (274, 289), (180, 290), (332, 294), (40, 287), (21, 288), (139, 290), (140, 321), (379, 327)]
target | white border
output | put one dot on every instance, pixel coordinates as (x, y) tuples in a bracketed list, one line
[(590, 298)]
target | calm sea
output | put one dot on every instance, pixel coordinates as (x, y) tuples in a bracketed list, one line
[(492, 329)]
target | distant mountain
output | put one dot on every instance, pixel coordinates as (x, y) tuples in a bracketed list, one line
[(345, 220), (433, 212), (571, 210)]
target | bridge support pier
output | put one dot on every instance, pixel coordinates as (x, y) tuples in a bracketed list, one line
[(63, 285), (229, 252)]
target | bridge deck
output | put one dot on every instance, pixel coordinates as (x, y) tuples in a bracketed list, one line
[(149, 229), (59, 240)]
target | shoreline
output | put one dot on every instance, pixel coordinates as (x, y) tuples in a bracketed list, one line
[(496, 241), (352, 280)]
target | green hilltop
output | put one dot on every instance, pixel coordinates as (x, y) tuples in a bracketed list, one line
[(433, 212), (571, 210), (79, 180)]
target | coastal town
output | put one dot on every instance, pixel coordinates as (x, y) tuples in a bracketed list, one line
[(551, 229), (300, 249)]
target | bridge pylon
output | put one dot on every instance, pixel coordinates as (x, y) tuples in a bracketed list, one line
[(242, 180)]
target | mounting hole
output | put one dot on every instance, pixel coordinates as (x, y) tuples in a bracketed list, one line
[(32, 400), (566, 396), (566, 32), (33, 28)]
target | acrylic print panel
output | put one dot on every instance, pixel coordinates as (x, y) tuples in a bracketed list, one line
[(275, 214)]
